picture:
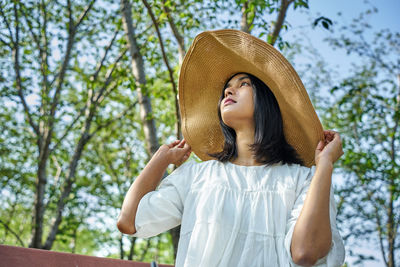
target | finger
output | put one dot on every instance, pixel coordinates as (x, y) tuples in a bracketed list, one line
[(336, 138), (171, 145), (320, 145), (186, 156), (329, 135), (186, 147), (182, 143), (189, 152)]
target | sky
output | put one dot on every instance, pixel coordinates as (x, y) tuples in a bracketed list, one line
[(387, 17)]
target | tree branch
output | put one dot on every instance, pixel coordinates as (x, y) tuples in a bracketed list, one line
[(106, 161), (82, 110), (72, 29), (94, 78), (109, 122), (71, 39), (144, 251), (61, 75), (42, 51), (109, 76), (179, 38), (279, 21), (59, 169), (44, 55), (29, 23), (5, 42), (107, 92), (378, 219), (84, 13), (170, 71), (380, 232), (372, 54), (138, 71), (14, 204), (17, 70), (14, 233), (101, 63), (396, 125), (70, 19), (7, 24), (244, 25)]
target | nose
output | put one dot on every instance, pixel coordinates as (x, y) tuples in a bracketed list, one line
[(229, 91)]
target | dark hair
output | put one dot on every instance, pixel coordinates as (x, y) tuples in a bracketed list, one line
[(270, 145)]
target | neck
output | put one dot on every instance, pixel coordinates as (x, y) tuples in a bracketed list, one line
[(244, 139)]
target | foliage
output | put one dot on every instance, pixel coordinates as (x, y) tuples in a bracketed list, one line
[(366, 111)]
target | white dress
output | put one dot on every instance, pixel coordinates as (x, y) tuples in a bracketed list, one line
[(233, 215)]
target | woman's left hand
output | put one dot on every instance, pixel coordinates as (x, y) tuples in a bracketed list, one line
[(331, 149)]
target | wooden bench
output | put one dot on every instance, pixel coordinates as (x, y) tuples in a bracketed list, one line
[(11, 256)]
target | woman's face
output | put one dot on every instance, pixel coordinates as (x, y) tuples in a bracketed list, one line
[(237, 106)]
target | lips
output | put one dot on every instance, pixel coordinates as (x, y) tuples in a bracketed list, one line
[(229, 101)]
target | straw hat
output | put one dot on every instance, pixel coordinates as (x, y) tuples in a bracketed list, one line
[(215, 56)]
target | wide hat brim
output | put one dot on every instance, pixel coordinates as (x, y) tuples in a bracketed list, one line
[(215, 56)]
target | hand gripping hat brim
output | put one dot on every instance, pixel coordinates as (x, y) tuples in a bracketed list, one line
[(215, 56)]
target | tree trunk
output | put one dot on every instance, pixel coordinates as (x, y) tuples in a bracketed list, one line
[(132, 249), (149, 127), (390, 226), (67, 188), (121, 247), (37, 229)]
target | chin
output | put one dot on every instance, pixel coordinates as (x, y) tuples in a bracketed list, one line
[(228, 120)]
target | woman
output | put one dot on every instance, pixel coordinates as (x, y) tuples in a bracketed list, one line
[(261, 202)]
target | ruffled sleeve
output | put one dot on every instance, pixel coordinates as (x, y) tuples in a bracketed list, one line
[(161, 210), (336, 254)]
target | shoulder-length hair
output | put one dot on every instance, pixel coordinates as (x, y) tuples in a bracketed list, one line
[(270, 145)]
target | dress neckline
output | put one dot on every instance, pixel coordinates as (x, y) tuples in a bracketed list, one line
[(253, 166)]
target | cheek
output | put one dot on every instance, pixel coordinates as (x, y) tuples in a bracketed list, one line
[(251, 106)]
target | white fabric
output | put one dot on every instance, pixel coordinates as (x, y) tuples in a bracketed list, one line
[(233, 215)]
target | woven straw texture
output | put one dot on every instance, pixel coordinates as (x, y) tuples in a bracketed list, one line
[(213, 57)]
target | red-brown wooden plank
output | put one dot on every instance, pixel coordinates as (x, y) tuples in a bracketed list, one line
[(11, 256)]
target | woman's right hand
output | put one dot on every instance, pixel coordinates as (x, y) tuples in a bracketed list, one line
[(176, 153)]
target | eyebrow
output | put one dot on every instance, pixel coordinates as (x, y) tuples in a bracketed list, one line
[(241, 78)]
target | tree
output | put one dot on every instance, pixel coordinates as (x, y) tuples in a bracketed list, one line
[(366, 111), (66, 98)]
